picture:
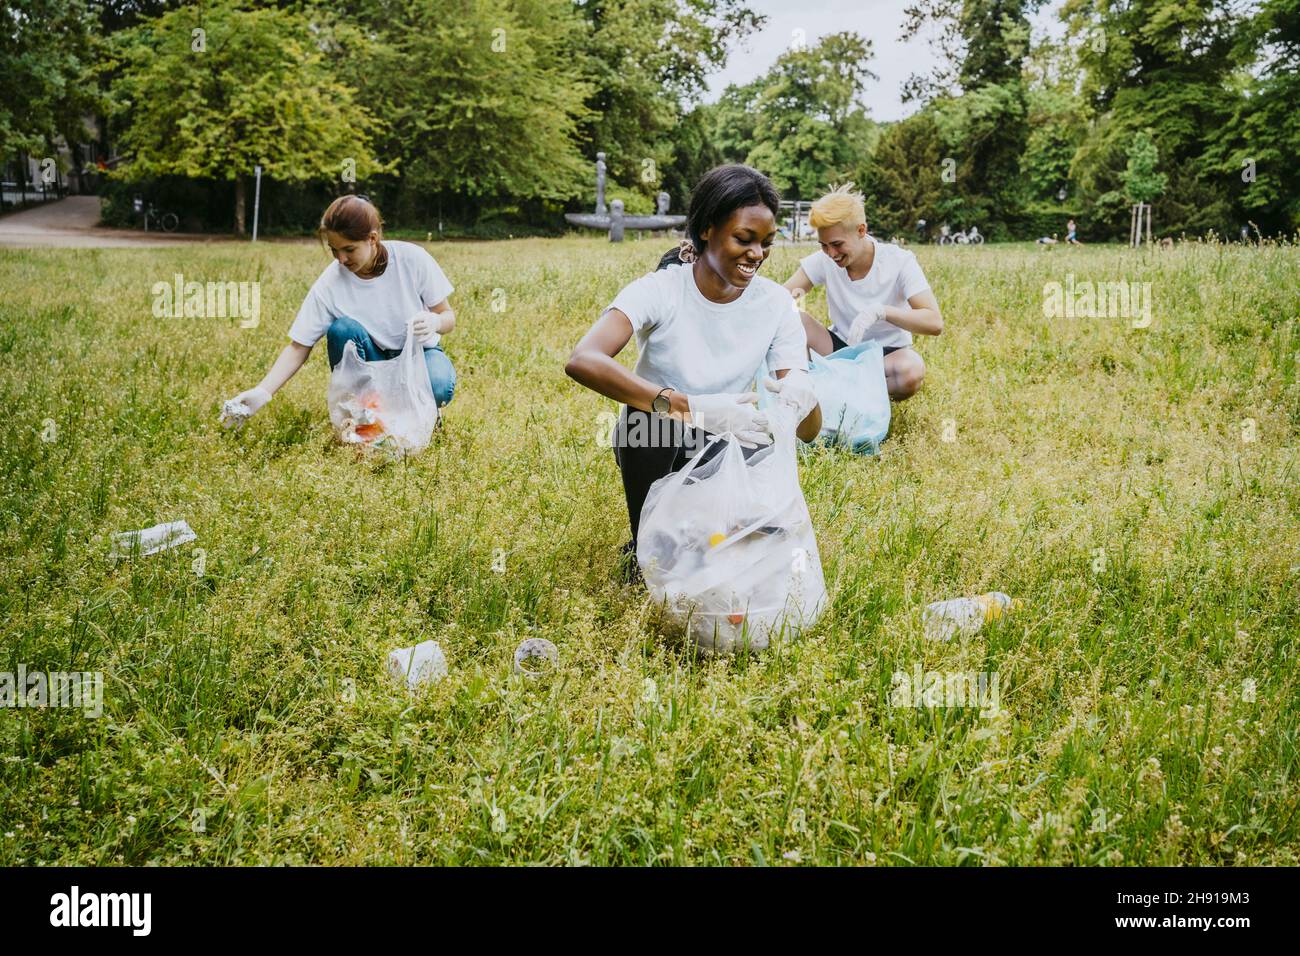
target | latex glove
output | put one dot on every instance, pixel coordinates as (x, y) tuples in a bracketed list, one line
[(736, 413), (865, 320), (243, 406), (427, 326), (795, 390)]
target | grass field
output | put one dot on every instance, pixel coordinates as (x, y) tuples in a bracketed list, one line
[(1136, 487)]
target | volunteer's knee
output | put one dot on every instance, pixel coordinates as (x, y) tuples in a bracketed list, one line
[(819, 339), (906, 373), (341, 331), (442, 375)]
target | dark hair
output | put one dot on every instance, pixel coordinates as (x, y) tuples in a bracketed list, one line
[(719, 193), (355, 217)]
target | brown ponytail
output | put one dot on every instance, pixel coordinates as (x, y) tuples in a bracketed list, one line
[(355, 217)]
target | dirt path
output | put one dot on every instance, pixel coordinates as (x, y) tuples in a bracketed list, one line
[(71, 223)]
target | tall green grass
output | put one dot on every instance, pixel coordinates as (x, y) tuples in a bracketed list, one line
[(1098, 471)]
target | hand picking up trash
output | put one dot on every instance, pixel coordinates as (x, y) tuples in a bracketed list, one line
[(382, 309)]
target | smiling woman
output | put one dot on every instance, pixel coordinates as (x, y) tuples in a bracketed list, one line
[(705, 322)]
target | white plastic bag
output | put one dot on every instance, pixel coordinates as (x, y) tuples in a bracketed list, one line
[(727, 545), (160, 537), (384, 404)]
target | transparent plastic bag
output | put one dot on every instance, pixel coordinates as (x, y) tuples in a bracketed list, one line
[(853, 395), (727, 545), (387, 404)]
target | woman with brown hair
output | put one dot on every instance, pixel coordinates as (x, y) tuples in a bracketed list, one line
[(370, 295)]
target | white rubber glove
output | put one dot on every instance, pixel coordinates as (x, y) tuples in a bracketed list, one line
[(243, 406), (427, 326), (795, 390), (865, 320), (736, 413)]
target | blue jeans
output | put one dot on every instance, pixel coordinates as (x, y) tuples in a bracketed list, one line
[(344, 330)]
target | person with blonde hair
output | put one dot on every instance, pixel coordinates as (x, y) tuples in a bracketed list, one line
[(875, 291)]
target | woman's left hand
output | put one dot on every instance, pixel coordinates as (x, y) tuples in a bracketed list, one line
[(427, 326), (795, 390)]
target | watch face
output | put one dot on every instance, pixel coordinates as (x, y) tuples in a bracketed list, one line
[(660, 404)]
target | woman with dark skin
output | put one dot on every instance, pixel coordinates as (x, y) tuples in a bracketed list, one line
[(705, 322)]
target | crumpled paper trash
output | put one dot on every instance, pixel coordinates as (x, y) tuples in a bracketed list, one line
[(235, 414)]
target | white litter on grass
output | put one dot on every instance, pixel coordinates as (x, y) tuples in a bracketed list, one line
[(536, 647), (160, 537), (944, 620), (422, 664), (235, 413)]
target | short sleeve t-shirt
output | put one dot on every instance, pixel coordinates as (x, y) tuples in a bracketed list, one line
[(702, 347), (413, 281), (895, 276)]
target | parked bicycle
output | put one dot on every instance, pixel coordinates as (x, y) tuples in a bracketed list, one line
[(164, 220)]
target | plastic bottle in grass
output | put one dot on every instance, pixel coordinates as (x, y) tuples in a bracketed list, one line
[(944, 620)]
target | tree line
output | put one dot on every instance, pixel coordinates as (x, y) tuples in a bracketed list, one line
[(491, 111)]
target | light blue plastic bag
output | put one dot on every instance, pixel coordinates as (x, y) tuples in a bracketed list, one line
[(854, 397)]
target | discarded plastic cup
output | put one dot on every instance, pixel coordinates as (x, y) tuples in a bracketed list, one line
[(536, 648), (422, 664)]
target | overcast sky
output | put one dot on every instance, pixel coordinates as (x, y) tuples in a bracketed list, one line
[(881, 21)]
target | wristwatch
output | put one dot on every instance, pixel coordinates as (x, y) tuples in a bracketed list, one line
[(661, 405)]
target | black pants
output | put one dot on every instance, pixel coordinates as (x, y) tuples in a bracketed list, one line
[(647, 447), (838, 343)]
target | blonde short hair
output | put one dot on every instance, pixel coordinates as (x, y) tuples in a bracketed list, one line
[(840, 205)]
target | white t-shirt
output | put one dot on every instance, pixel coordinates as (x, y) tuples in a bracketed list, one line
[(895, 277), (412, 282), (701, 347)]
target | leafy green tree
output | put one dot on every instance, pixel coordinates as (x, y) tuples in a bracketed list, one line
[(1257, 150), (695, 152), (979, 90), (732, 121), (803, 120), (48, 50), (1058, 122), (647, 62), (1159, 65), (1142, 182), (212, 91), (484, 99), (901, 178)]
